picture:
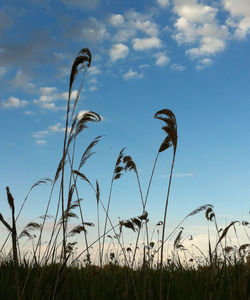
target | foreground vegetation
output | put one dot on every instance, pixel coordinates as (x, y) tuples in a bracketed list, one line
[(114, 282), (56, 270)]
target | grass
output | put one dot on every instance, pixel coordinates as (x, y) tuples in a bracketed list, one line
[(115, 282), (110, 268)]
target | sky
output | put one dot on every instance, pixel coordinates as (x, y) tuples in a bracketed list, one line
[(189, 56)]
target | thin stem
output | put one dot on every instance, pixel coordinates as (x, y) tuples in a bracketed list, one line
[(151, 177), (165, 210), (106, 218), (62, 177)]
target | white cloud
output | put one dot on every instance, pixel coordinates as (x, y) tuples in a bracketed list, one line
[(143, 66), (203, 63), (56, 128), (59, 56), (118, 51), (93, 30), (2, 71), (178, 67), (239, 16), (177, 175), (238, 7), (133, 22), (47, 90), (163, 3), (124, 34), (22, 80), (40, 135), (146, 43), (41, 142), (209, 45), (142, 23), (132, 75), (180, 175), (116, 20), (94, 70), (92, 81), (49, 97), (93, 88), (197, 24), (65, 95), (161, 59), (14, 102), (29, 113), (88, 31), (46, 105), (192, 11)]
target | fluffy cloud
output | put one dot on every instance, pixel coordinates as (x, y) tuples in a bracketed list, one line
[(203, 63), (56, 128), (161, 59), (116, 20), (132, 23), (22, 80), (209, 45), (49, 97), (143, 66), (93, 88), (41, 142), (118, 51), (93, 30), (41, 135), (47, 90), (29, 113), (2, 71), (14, 102), (178, 67), (147, 43), (132, 75), (142, 23), (237, 7), (94, 70), (163, 3), (239, 16), (196, 23)]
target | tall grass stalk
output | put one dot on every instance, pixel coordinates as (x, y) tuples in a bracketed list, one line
[(13, 231), (82, 61)]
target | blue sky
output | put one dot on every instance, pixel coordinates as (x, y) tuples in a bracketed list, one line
[(189, 56)]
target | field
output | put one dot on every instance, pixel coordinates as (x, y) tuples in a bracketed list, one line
[(58, 270)]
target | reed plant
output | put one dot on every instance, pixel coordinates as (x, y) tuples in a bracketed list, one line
[(55, 270)]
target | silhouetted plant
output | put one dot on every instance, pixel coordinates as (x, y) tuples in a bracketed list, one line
[(140, 281), (13, 231), (170, 128)]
